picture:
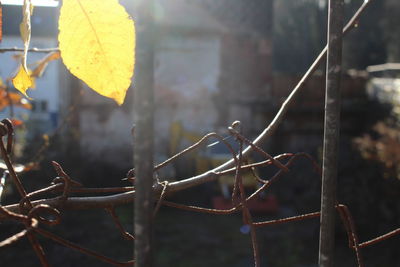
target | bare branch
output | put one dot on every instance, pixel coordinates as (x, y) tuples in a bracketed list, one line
[(211, 175), (33, 49), (271, 128)]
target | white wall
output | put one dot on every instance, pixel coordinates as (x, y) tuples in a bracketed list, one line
[(47, 87), (187, 71), (186, 77)]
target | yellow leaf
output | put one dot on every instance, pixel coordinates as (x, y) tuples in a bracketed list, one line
[(22, 81), (97, 44), (42, 64)]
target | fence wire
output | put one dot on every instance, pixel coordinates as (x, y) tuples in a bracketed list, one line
[(34, 214)]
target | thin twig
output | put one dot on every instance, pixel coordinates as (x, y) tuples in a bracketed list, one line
[(38, 249), (195, 146), (271, 128), (348, 220), (257, 148), (247, 218), (236, 163), (380, 238), (102, 202), (161, 198), (288, 219), (33, 49), (83, 250), (11, 240), (118, 223)]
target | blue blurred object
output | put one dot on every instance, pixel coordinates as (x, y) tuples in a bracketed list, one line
[(245, 229)]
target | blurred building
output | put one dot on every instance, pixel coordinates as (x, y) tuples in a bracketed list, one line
[(45, 101), (213, 65), (212, 61), (384, 85)]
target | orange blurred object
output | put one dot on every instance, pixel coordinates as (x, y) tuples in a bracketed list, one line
[(16, 122)]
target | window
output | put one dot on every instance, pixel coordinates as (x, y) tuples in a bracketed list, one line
[(39, 106)]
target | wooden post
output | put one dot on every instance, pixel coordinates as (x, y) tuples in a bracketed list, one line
[(331, 133), (144, 135)]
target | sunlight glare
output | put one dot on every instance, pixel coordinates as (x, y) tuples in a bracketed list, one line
[(49, 3)]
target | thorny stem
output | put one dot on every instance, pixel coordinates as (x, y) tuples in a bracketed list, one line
[(128, 197), (239, 206)]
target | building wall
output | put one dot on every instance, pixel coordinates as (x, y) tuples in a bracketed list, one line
[(205, 61), (186, 81), (44, 117), (45, 97), (187, 68)]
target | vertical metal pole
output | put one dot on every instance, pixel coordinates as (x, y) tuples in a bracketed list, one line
[(331, 133), (144, 135)]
